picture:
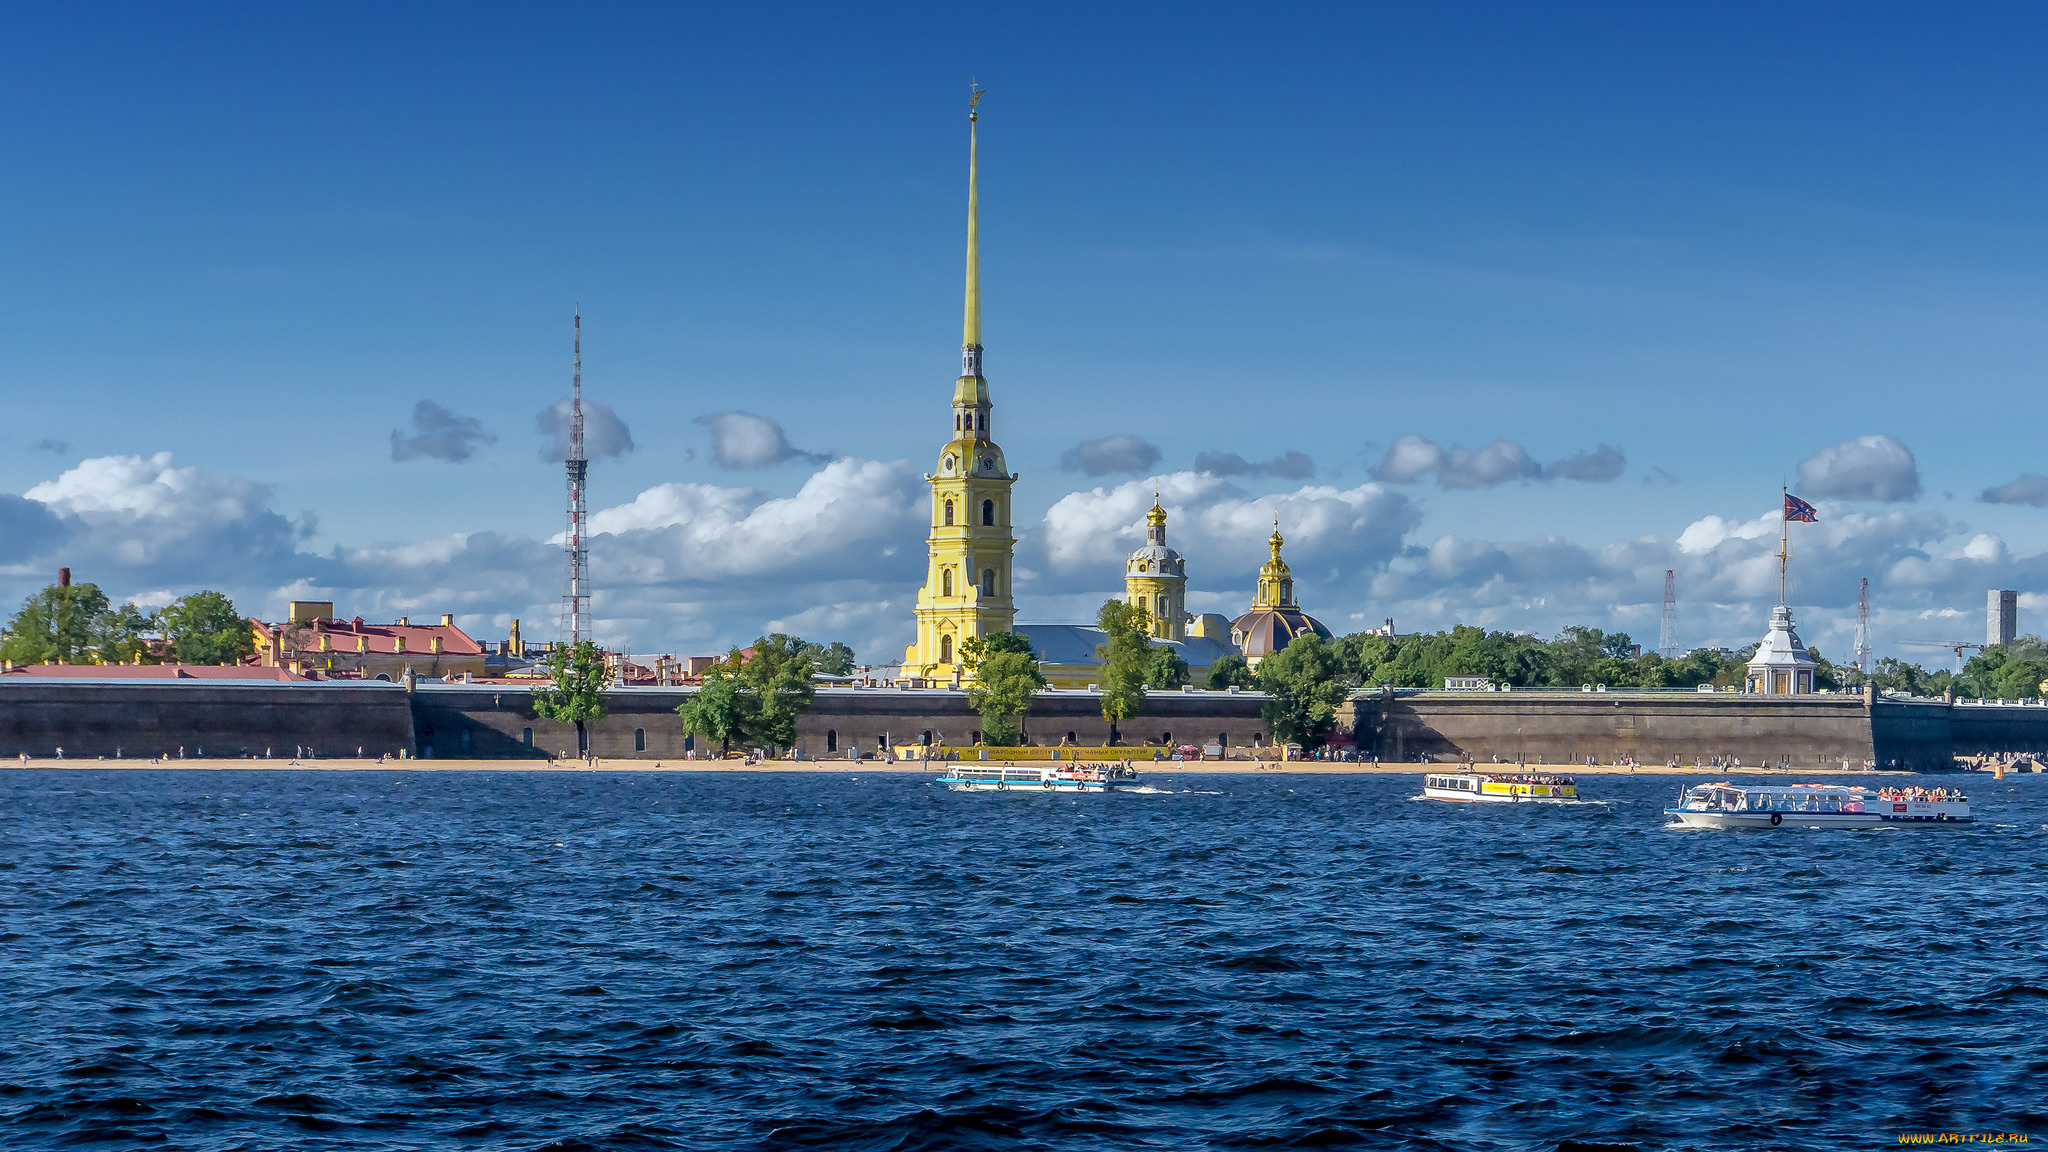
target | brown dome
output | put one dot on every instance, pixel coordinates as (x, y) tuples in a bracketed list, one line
[(1264, 631)]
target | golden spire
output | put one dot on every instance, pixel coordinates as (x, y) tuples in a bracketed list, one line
[(970, 328)]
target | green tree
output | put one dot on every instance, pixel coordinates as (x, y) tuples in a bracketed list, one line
[(717, 710), (204, 628), (1006, 683), (1166, 671), (777, 678), (1229, 671), (1305, 682), (1126, 657), (75, 624), (834, 659), (576, 695)]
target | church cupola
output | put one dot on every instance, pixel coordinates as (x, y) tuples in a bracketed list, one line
[(1276, 583), (1156, 579)]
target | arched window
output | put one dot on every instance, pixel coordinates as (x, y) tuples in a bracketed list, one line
[(988, 581), (988, 513), (946, 578), (949, 514), (1162, 607), (529, 737), (945, 649), (639, 739), (831, 739)]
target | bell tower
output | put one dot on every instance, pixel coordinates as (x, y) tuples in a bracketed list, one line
[(966, 590)]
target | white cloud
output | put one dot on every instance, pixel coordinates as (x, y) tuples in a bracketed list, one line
[(604, 434), (1412, 457), (2030, 488), (439, 434), (1866, 468), (1109, 455), (742, 442)]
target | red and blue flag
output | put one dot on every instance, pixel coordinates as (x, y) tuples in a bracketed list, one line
[(1797, 509)]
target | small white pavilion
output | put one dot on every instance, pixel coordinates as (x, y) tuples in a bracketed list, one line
[(1781, 666)]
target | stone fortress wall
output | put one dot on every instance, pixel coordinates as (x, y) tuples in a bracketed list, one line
[(451, 722)]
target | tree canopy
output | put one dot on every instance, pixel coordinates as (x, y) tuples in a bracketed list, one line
[(1304, 683), (204, 628), (577, 692), (77, 624), (834, 659), (755, 696), (1126, 659), (1006, 682)]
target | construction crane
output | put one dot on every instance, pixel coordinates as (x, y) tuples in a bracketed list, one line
[(1955, 645)]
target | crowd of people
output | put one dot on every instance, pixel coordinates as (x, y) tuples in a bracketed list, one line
[(1925, 795)]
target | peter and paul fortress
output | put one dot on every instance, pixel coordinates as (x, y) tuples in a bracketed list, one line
[(970, 546), (966, 589)]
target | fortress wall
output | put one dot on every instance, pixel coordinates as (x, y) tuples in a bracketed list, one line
[(1565, 728), (485, 722), (140, 718), (1974, 729)]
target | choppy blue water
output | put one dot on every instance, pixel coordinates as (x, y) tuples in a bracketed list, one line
[(314, 960)]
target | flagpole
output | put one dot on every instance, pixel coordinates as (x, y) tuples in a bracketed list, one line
[(1784, 539)]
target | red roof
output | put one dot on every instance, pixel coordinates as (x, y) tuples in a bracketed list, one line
[(157, 672), (384, 637)]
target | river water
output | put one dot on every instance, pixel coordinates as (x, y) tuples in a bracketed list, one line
[(401, 960)]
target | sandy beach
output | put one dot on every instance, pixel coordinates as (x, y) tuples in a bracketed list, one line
[(911, 767)]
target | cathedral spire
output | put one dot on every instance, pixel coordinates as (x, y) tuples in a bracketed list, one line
[(970, 327)]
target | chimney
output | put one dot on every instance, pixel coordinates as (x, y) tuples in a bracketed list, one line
[(63, 577), (447, 619), (405, 621), (518, 649)]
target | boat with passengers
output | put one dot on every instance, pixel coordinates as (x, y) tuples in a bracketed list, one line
[(1499, 787), (1727, 805), (973, 777)]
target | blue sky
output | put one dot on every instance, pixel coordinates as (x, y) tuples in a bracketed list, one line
[(257, 239)]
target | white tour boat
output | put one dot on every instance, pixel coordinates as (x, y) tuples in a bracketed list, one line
[(1499, 787), (1819, 806), (973, 777)]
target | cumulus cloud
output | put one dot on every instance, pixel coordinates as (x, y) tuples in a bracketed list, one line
[(1866, 468), (1110, 455), (2030, 488), (604, 434), (1084, 536), (439, 434), (742, 442), (1412, 457), (1600, 466), (1287, 466)]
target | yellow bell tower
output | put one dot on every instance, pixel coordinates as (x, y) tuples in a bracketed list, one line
[(966, 589), (1156, 579)]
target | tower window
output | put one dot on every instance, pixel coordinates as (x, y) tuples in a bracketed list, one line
[(988, 581), (946, 579), (988, 512), (945, 649), (949, 514)]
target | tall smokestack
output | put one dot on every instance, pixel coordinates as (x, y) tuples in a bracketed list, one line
[(63, 577)]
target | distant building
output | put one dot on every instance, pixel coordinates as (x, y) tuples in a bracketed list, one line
[(1781, 666), (242, 672), (312, 642), (1156, 579), (2002, 616), (1275, 619)]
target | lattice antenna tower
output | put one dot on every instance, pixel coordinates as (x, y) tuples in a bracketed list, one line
[(575, 542), (1667, 636), (1863, 649)]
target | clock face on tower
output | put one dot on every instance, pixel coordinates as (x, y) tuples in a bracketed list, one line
[(948, 469), (987, 462)]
